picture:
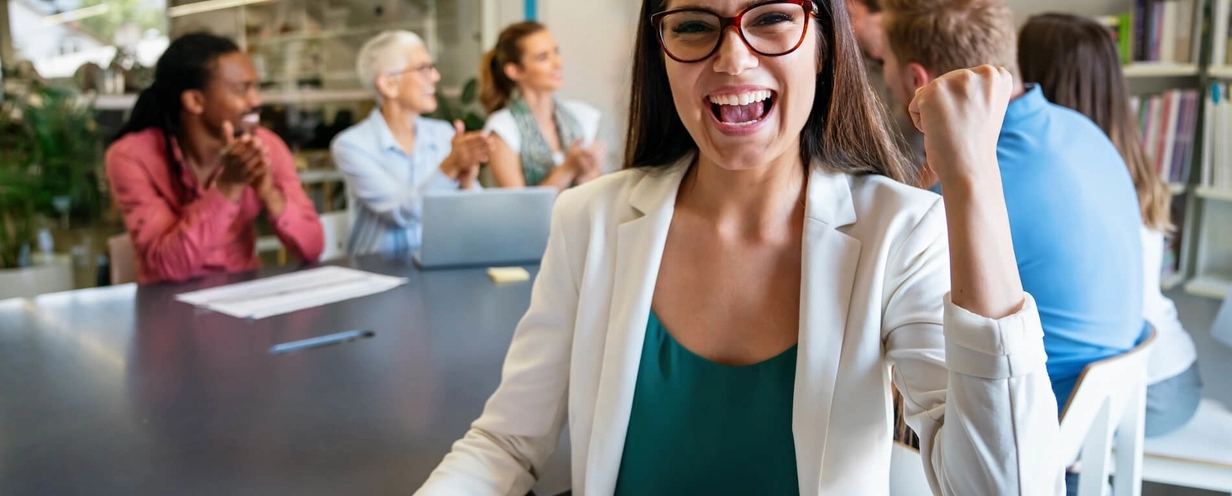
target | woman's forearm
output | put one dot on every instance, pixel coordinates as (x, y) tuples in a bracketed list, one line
[(983, 271)]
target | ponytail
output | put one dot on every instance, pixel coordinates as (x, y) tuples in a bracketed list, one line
[(495, 88)]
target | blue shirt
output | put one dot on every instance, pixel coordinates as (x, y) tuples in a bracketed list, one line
[(1075, 224), (386, 185)]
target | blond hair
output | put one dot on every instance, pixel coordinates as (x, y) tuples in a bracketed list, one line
[(947, 35)]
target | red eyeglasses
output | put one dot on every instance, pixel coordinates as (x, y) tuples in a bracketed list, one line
[(770, 29)]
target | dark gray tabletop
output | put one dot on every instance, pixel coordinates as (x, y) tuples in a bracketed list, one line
[(123, 390)]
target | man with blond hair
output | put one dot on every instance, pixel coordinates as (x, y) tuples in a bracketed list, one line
[(1073, 210), (866, 24)]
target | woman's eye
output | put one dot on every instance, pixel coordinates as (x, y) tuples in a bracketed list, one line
[(772, 19), (691, 27)]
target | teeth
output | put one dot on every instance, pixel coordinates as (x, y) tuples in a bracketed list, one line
[(252, 119), (742, 98)]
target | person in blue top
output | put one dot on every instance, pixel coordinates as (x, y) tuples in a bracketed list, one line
[(396, 156), (1073, 210)]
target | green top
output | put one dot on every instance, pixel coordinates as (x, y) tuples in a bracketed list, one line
[(698, 427)]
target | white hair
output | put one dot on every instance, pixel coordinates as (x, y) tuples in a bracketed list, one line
[(385, 53)]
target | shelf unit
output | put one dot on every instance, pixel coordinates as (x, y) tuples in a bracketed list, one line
[(329, 34), (1151, 77), (1208, 229), (1171, 281), (1160, 69), (1219, 72), (1215, 194), (1213, 285), (288, 97)]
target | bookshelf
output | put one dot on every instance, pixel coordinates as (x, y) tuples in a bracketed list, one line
[(1219, 72), (1162, 73), (1210, 232)]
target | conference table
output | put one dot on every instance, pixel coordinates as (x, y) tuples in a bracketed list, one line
[(124, 390)]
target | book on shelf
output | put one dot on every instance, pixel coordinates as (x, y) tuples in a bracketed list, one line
[(1167, 123), (1155, 31), (1217, 153)]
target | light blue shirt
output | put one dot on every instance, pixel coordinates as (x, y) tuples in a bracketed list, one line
[(386, 185), (1075, 225)]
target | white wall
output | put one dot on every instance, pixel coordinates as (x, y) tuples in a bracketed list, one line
[(596, 43), (1026, 8)]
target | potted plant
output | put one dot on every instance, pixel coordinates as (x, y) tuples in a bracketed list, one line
[(465, 108), (49, 168)]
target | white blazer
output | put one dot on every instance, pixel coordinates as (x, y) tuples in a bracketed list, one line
[(874, 294)]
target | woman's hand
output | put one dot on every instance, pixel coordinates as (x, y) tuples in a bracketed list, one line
[(469, 150), (961, 114), (592, 165)]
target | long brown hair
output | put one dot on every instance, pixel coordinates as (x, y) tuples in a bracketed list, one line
[(495, 88), (847, 130), (1075, 62)]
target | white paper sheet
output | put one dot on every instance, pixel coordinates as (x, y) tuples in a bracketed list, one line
[(290, 292)]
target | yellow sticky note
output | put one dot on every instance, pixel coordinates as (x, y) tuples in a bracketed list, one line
[(503, 275)]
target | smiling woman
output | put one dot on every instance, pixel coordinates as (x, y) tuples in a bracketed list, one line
[(541, 140), (726, 315)]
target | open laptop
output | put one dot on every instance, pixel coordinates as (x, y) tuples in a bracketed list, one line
[(488, 227)]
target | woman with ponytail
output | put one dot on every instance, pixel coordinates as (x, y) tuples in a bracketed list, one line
[(1075, 62), (192, 169), (540, 140)]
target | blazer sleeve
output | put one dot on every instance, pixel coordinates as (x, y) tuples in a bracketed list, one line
[(974, 389), (506, 448)]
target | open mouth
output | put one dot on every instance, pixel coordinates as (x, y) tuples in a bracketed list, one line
[(742, 109)]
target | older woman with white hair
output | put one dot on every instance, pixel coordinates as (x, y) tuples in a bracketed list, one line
[(396, 155)]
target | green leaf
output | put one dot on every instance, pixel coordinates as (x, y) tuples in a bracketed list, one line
[(473, 122), (470, 91)]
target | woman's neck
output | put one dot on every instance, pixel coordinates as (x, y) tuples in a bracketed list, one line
[(540, 103), (757, 202)]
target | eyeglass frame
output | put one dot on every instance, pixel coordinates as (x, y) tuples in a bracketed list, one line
[(421, 70), (656, 21)]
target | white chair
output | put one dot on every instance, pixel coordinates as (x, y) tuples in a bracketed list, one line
[(1198, 455), (907, 472), (1109, 399), (123, 259), (337, 226)]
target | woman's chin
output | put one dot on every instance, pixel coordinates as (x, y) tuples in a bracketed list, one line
[(737, 157)]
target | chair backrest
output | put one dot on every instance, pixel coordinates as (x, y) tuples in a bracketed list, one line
[(907, 476), (123, 259), (337, 227), (1109, 398)]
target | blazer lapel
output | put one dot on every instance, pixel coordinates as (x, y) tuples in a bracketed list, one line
[(639, 250), (829, 266)]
